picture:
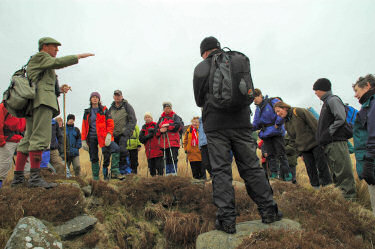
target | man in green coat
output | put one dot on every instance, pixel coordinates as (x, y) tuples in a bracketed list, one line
[(41, 71)]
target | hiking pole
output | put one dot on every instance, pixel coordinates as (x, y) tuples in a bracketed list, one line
[(170, 150), (64, 125), (164, 156)]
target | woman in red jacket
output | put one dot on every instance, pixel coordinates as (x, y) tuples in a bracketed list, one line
[(153, 152), (97, 129), (10, 135), (168, 126)]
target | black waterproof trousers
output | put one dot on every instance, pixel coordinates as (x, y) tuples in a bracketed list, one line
[(206, 164), (243, 146), (275, 148), (317, 167), (155, 166)]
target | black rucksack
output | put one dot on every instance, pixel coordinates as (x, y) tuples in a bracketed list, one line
[(230, 83)]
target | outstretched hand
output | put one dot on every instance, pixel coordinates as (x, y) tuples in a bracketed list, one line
[(85, 55)]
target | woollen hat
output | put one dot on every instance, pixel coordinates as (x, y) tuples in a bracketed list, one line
[(167, 104), (47, 40), (70, 116), (322, 84), (95, 94), (209, 43), (147, 114)]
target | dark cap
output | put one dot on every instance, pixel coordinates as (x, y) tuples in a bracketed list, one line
[(118, 92), (47, 40), (70, 116), (322, 84), (209, 43)]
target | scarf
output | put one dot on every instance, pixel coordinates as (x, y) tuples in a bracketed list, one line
[(366, 96), (194, 137)]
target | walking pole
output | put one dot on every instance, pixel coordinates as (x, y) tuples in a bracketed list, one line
[(64, 125), (170, 150), (165, 157)]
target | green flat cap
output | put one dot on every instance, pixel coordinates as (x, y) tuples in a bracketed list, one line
[(47, 40)]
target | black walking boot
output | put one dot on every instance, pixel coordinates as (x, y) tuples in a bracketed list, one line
[(272, 215), (19, 179), (36, 180), (225, 227)]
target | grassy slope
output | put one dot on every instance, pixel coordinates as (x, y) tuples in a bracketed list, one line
[(171, 212)]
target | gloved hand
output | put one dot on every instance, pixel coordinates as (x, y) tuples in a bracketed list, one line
[(151, 130), (368, 171), (108, 139), (85, 146)]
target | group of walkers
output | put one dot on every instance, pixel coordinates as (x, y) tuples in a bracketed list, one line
[(224, 131)]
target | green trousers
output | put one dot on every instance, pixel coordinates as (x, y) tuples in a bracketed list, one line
[(340, 164), (38, 130)]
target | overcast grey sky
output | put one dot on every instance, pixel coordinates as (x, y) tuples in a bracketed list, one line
[(149, 49)]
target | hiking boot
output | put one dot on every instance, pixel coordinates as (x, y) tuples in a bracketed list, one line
[(95, 171), (225, 227), (19, 179), (105, 173), (36, 180), (288, 177), (274, 215), (274, 176)]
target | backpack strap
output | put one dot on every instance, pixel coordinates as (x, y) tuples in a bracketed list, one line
[(295, 112)]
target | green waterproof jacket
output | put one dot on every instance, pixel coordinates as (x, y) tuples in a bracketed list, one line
[(133, 142), (301, 126), (41, 71)]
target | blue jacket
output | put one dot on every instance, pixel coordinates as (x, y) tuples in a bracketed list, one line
[(364, 134), (265, 119), (202, 135), (73, 139)]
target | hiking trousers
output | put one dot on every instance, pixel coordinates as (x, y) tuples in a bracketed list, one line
[(76, 164), (6, 158), (243, 146), (57, 162), (133, 156), (206, 164), (197, 170), (276, 158), (340, 164), (316, 167), (155, 166), (38, 130), (121, 141)]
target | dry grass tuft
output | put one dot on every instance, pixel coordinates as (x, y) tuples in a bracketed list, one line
[(54, 205), (102, 190), (91, 239)]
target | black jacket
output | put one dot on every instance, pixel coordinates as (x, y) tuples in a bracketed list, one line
[(331, 121), (213, 118)]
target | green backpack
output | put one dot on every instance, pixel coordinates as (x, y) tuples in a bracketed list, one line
[(19, 95)]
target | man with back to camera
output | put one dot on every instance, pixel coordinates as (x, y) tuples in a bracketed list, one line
[(228, 131)]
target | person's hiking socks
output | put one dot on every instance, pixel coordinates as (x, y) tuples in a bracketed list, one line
[(21, 161)]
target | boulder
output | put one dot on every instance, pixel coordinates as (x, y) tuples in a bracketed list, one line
[(87, 190), (32, 233), (217, 239), (74, 227)]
